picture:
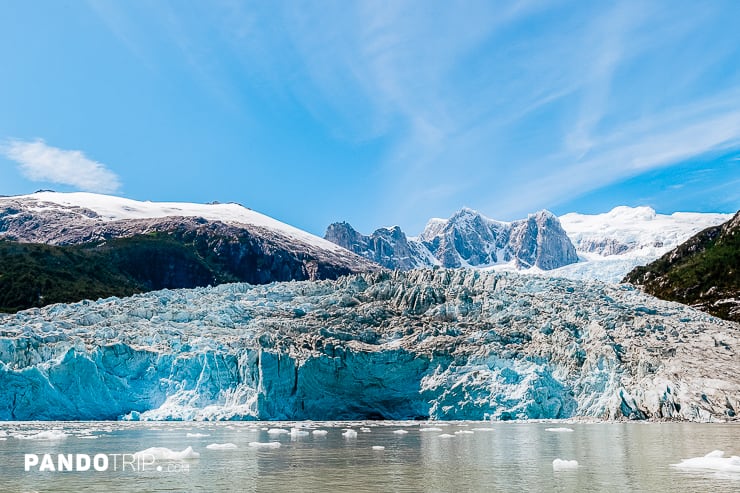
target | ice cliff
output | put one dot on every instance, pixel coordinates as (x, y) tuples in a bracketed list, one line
[(442, 344)]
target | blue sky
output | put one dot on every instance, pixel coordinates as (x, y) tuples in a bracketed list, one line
[(375, 112)]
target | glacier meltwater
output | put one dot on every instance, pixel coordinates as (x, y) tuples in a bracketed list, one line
[(427, 344)]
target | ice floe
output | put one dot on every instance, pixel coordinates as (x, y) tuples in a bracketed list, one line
[(51, 435), (350, 434), (400, 432), (197, 435), (713, 461), (264, 444), (564, 465), (560, 429), (221, 446), (163, 453), (319, 433), (378, 447), (277, 431)]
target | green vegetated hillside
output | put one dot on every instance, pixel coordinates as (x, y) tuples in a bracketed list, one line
[(703, 272), (33, 275)]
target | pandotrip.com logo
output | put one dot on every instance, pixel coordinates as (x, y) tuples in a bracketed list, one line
[(133, 463)]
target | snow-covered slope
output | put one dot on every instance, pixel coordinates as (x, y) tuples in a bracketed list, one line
[(609, 245), (108, 208), (467, 239), (442, 344), (240, 243)]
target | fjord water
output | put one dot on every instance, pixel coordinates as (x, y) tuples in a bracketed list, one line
[(474, 456)]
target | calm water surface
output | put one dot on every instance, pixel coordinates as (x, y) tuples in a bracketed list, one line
[(494, 457)]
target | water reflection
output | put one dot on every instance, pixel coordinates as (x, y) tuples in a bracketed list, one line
[(514, 457)]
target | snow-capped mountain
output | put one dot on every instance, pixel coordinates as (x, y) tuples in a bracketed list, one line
[(576, 246), (467, 239), (439, 344), (611, 244), (251, 246)]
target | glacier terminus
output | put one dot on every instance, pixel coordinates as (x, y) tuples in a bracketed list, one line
[(423, 344)]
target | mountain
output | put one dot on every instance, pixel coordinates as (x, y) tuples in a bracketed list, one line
[(169, 245), (703, 272), (438, 344), (467, 239), (611, 244)]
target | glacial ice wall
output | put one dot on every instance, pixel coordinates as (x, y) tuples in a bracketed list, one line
[(440, 344)]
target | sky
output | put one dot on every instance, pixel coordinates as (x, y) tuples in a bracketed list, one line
[(375, 112)]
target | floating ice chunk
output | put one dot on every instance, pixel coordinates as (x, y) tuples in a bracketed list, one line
[(264, 444), (483, 429), (277, 431), (221, 446), (350, 434), (45, 435), (365, 429), (400, 432), (378, 447), (297, 432), (464, 432), (561, 429), (445, 435), (320, 433), (713, 461), (197, 435), (564, 465), (163, 453), (431, 428), (3, 433)]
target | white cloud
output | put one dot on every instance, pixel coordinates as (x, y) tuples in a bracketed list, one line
[(38, 161)]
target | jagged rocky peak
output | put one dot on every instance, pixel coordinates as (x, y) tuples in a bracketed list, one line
[(388, 247), (466, 239), (541, 242)]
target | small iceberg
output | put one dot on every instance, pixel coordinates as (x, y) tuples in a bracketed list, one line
[(445, 435), (561, 429), (197, 435), (350, 434), (378, 447), (277, 431), (564, 465), (431, 428), (713, 461), (163, 453), (464, 432), (51, 435), (264, 444), (297, 432), (400, 432), (221, 446), (320, 433), (365, 429)]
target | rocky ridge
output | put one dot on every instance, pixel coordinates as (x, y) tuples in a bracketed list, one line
[(246, 245), (467, 239)]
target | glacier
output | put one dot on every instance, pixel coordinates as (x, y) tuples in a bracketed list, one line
[(424, 344)]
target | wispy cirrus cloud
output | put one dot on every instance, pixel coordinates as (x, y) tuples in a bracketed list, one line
[(41, 162)]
